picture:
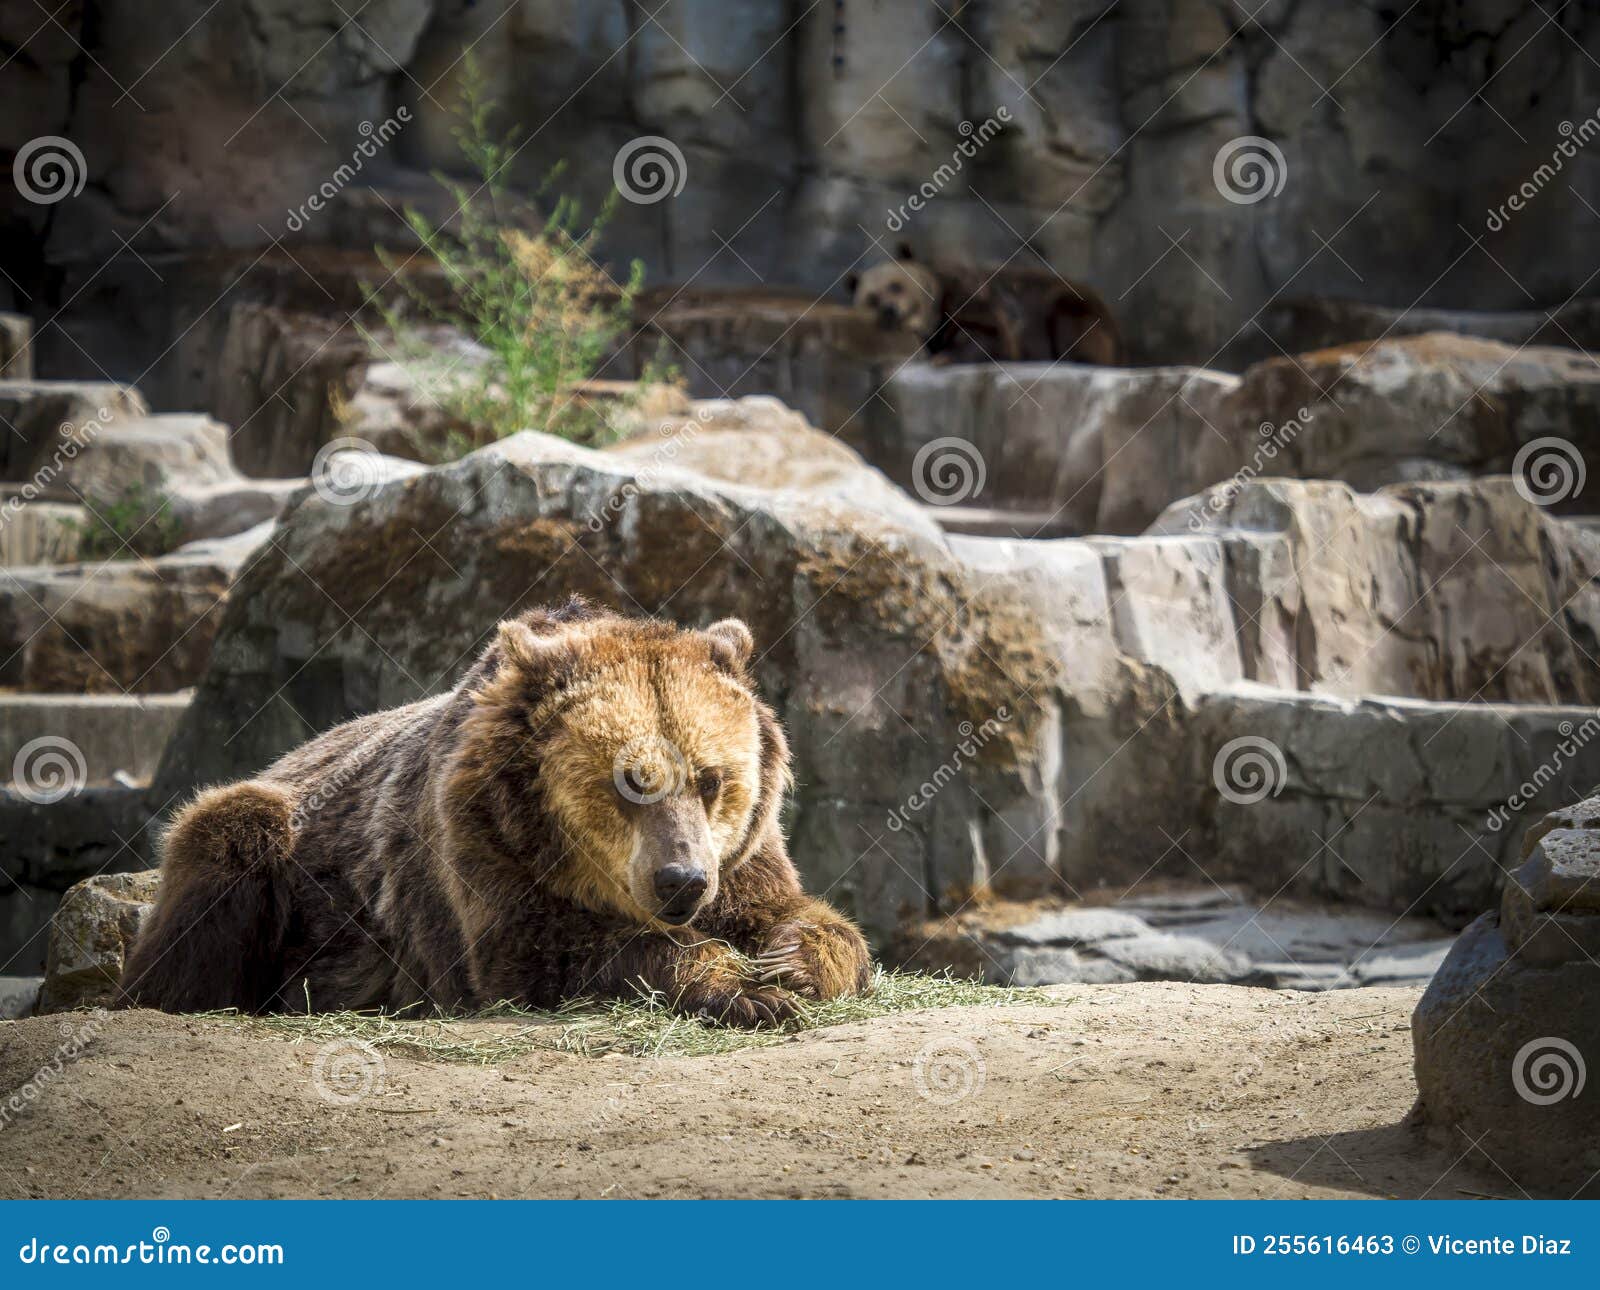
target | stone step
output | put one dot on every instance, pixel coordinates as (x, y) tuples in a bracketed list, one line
[(40, 421), (56, 742), (124, 626), (39, 532)]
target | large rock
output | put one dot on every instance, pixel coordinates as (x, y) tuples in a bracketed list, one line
[(47, 420), (90, 937), (1436, 591), (1435, 406), (1507, 1042), (886, 649), (1107, 450)]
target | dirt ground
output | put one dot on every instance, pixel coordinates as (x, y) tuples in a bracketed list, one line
[(1153, 1089)]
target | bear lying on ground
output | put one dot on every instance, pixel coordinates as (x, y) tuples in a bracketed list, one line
[(1005, 315), (592, 810)]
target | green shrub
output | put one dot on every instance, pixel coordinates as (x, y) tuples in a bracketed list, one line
[(530, 292)]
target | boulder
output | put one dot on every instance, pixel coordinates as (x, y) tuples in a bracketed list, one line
[(890, 653), (18, 995), (1100, 450), (49, 419), (181, 460), (90, 937), (1436, 406), (1505, 1046)]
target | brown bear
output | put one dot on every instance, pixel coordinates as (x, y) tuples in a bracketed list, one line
[(1006, 315), (592, 811)]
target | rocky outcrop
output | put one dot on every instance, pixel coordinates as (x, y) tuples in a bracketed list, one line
[(802, 138), (975, 713), (1108, 450), (89, 939), (1297, 326), (1506, 1044)]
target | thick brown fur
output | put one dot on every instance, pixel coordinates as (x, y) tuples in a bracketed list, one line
[(1005, 315), (508, 841)]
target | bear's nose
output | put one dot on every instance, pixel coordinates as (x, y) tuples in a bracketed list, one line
[(679, 887), (888, 317)]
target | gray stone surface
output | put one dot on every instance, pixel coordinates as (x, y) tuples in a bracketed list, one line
[(110, 733), (1213, 934), (1504, 1057), (90, 937), (1117, 119), (18, 994)]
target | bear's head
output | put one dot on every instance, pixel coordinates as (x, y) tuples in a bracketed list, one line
[(902, 294), (628, 761)]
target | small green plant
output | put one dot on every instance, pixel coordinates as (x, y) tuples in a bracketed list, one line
[(530, 293), (135, 523)]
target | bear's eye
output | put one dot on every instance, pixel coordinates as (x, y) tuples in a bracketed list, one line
[(872, 300), (894, 288), (709, 784)]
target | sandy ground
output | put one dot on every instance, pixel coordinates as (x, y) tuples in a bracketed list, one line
[(1140, 1090)]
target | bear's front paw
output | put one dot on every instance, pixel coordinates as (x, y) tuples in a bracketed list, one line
[(746, 1005), (818, 960)]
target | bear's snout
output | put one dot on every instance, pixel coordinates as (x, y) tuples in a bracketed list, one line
[(680, 888)]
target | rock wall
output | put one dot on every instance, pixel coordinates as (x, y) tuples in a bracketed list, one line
[(806, 129)]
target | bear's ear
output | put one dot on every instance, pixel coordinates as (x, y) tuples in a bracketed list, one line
[(731, 644), (544, 657), (852, 280), (904, 252)]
